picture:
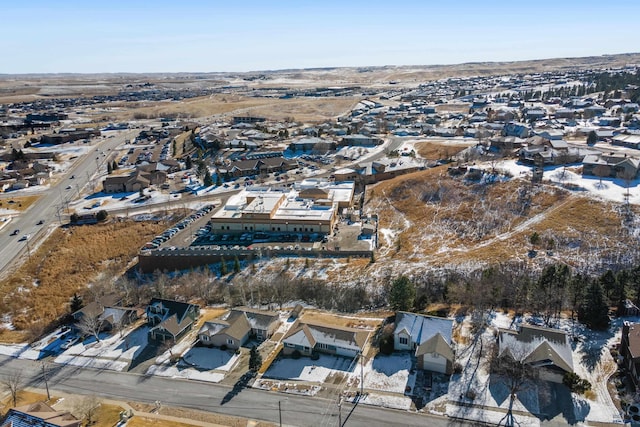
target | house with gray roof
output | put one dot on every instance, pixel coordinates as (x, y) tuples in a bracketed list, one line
[(546, 349), (169, 320), (429, 337), (236, 327), (307, 338), (39, 414)]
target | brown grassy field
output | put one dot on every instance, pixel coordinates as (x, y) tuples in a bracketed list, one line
[(445, 220), (305, 110), (25, 397), (186, 415), (66, 263), (21, 203), (436, 151)]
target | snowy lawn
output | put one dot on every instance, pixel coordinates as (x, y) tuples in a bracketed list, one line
[(305, 369), (389, 373), (114, 352), (186, 373), (385, 401), (210, 358)]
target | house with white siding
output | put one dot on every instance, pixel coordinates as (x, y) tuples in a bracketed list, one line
[(429, 337), (307, 338)]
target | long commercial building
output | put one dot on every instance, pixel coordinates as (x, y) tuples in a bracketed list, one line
[(310, 207)]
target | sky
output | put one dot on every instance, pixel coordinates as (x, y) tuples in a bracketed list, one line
[(43, 36)]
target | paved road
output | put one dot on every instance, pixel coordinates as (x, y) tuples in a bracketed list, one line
[(250, 403), (48, 207)]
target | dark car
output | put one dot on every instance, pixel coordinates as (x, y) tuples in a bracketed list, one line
[(40, 222), (15, 232)]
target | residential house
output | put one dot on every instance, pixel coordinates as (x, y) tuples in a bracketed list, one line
[(307, 338), (238, 326), (360, 140), (520, 130), (548, 350), (170, 320), (258, 166), (136, 181), (39, 414), (109, 313), (612, 165), (428, 337), (630, 350), (231, 332)]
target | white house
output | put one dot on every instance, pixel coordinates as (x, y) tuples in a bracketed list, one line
[(429, 337)]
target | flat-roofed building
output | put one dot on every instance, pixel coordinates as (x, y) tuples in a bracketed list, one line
[(311, 207)]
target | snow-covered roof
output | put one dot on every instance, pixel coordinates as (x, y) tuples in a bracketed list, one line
[(421, 327)]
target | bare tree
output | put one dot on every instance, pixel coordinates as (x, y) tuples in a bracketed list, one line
[(13, 384), (87, 409), (601, 171), (512, 370), (91, 323)]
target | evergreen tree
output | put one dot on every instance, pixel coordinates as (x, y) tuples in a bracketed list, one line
[(109, 168), (402, 294), (594, 311), (592, 138), (255, 359), (208, 181), (114, 165), (188, 163), (76, 303), (223, 266), (218, 180), (236, 264)]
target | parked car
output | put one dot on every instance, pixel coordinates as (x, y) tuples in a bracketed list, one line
[(15, 232), (40, 222)]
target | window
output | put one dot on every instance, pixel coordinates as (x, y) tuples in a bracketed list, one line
[(404, 340), (323, 346), (205, 338), (230, 341)]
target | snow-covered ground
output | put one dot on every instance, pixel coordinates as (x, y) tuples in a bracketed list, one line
[(592, 361), (305, 369), (389, 373), (114, 352), (203, 358), (186, 373), (611, 189), (204, 364)]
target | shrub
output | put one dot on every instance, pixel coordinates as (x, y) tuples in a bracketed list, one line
[(386, 343), (457, 368), (296, 354), (223, 347), (315, 356), (575, 383)]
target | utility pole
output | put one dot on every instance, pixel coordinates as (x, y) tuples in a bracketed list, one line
[(361, 375), (46, 382), (280, 412), (340, 412)]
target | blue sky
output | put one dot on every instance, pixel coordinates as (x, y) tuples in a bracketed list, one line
[(171, 36)]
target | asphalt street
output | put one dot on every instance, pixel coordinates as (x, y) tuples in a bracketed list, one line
[(245, 402)]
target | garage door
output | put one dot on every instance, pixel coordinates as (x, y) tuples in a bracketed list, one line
[(436, 364)]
